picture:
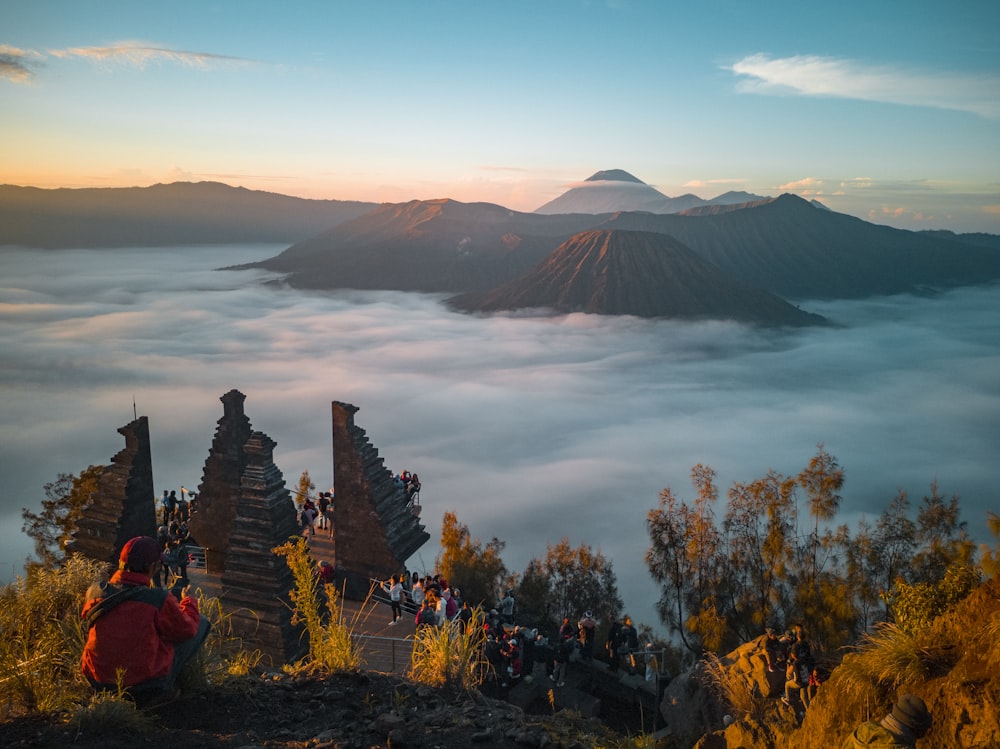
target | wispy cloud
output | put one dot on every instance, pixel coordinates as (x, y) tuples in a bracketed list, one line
[(810, 75), (140, 54), (804, 186), (696, 183), (18, 65)]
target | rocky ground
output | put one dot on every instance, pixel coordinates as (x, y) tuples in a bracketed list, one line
[(347, 711)]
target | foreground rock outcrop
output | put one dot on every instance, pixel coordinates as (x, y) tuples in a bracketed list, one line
[(953, 665)]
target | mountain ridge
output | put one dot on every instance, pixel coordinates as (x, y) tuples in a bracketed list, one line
[(162, 214), (784, 245)]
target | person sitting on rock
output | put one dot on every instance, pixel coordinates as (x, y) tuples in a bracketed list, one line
[(139, 637), (909, 721), (800, 665)]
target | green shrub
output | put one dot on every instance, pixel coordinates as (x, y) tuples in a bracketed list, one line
[(916, 606)]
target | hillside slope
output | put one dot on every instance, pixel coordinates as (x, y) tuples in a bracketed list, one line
[(800, 251), (432, 245), (635, 273)]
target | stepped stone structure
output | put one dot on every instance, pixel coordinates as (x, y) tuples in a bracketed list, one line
[(219, 491), (244, 511), (375, 528), (256, 582), (124, 504)]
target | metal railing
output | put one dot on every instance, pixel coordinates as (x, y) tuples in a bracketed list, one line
[(388, 654)]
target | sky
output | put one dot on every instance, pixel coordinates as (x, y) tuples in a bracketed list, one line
[(889, 111), (530, 429)]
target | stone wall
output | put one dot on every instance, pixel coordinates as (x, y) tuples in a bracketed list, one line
[(219, 491), (124, 504), (256, 582), (375, 529)]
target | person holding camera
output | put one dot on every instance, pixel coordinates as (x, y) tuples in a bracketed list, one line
[(139, 637)]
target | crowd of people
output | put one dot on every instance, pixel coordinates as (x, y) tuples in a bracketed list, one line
[(512, 650), (791, 653), (179, 508), (409, 482), (318, 514)]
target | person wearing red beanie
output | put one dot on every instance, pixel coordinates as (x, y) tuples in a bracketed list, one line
[(139, 637)]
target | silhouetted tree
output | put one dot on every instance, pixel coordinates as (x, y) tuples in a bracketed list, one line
[(685, 558), (757, 531), (65, 500), (473, 566), (941, 538), (568, 581), (822, 480)]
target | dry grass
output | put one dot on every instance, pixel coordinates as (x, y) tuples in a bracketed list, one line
[(885, 661), (332, 640), (42, 638), (449, 654), (732, 687)]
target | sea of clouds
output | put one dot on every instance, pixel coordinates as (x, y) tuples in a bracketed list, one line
[(531, 428)]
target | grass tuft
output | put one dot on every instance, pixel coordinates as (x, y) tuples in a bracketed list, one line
[(449, 654), (107, 713), (43, 638), (332, 638), (732, 687)]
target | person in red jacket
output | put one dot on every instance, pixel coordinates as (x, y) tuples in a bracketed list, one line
[(139, 635)]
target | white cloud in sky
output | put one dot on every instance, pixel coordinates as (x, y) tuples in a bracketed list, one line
[(812, 75), (139, 54), (804, 186), (17, 65)]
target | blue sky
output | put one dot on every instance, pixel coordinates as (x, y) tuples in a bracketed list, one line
[(889, 111)]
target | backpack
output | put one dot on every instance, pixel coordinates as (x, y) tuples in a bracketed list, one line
[(113, 595)]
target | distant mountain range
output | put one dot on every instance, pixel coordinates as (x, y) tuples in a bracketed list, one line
[(175, 214), (616, 190), (785, 246), (620, 272)]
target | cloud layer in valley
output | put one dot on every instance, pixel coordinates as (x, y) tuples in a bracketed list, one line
[(530, 428)]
